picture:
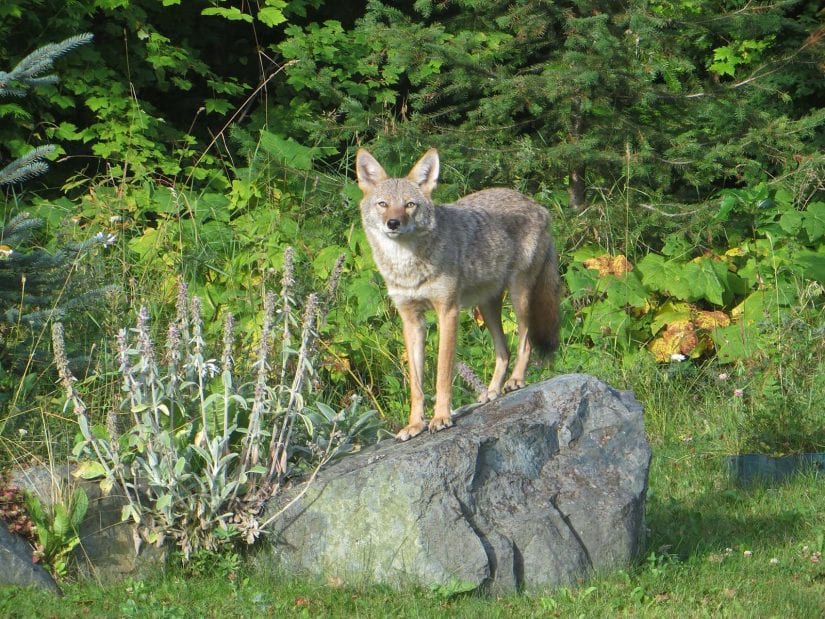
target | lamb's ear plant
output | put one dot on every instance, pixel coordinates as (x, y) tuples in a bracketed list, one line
[(202, 451)]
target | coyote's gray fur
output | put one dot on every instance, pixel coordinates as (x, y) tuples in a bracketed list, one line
[(462, 254)]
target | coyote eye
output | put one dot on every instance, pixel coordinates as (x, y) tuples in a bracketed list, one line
[(382, 204), (410, 205)]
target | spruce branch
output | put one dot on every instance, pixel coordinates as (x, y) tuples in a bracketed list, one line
[(19, 228), (27, 73), (28, 166)]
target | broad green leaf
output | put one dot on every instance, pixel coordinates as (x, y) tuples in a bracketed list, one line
[(147, 243), (814, 222), (227, 459), (83, 423), (627, 290), (603, 320), (80, 505), (736, 342), (201, 452), (219, 106), (813, 264), (581, 281), (326, 259), (791, 222), (751, 311), (668, 313), (163, 502), (89, 469), (706, 279), (35, 508), (232, 13), (271, 16), (327, 411), (287, 151), (61, 526), (668, 277), (368, 298), (179, 466)]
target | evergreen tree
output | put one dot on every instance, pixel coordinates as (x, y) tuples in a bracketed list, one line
[(666, 98), (34, 283)]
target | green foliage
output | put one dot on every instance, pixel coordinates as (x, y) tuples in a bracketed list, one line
[(780, 412), (224, 563), (56, 528), (731, 300), (36, 285), (590, 92), (209, 160), (27, 73)]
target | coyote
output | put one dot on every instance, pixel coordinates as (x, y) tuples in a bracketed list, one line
[(463, 254)]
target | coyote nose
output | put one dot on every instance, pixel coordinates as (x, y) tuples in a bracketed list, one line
[(393, 224)]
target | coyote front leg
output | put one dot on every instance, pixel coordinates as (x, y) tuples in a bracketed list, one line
[(447, 331), (414, 338)]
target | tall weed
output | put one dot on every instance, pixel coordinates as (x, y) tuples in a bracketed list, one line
[(199, 452)]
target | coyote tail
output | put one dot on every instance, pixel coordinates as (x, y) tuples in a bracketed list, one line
[(543, 318)]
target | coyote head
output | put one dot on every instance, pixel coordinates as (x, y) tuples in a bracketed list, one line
[(397, 206)]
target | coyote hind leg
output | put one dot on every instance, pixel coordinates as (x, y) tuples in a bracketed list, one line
[(521, 304), (491, 312)]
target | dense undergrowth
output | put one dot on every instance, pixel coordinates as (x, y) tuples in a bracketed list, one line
[(694, 275)]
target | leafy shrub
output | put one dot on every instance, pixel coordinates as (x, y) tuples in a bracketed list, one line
[(691, 302), (56, 528), (203, 452)]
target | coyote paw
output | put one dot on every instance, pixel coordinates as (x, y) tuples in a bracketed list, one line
[(488, 396), (439, 423), (513, 384), (414, 429)]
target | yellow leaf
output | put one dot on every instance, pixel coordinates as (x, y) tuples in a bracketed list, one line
[(621, 265), (711, 320), (678, 338), (602, 264), (106, 486), (609, 265)]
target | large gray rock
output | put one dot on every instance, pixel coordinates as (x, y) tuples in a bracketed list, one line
[(530, 491), (16, 565)]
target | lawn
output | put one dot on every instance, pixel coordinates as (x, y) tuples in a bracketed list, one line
[(714, 550)]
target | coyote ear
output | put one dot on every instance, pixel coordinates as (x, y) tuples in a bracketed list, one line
[(425, 172), (368, 171)]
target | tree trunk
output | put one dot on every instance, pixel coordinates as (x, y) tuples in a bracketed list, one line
[(575, 189)]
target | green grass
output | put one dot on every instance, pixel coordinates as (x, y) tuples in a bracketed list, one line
[(714, 550)]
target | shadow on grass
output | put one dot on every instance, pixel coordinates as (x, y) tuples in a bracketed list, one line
[(694, 507)]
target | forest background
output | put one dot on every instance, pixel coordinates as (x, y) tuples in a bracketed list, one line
[(677, 144)]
